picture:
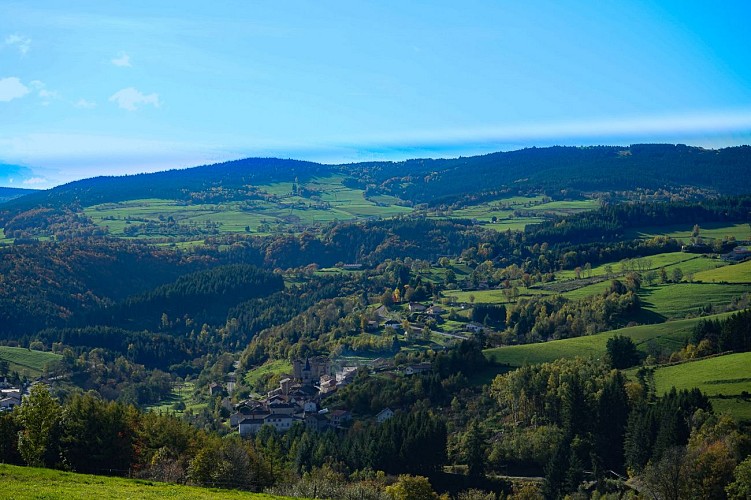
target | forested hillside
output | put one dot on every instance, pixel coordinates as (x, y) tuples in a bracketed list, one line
[(504, 325), (7, 193)]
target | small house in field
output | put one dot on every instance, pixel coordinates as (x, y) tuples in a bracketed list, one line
[(382, 312), (7, 403), (418, 368), (435, 310), (738, 254), (474, 327), (393, 324), (416, 307), (384, 415)]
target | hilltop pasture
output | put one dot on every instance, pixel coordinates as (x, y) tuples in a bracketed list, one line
[(23, 360)]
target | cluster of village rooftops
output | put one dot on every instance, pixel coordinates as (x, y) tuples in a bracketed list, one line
[(298, 398), (10, 396)]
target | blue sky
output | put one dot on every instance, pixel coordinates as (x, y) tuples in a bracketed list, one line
[(90, 87)]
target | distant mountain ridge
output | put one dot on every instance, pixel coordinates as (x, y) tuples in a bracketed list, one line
[(9, 193), (435, 181)]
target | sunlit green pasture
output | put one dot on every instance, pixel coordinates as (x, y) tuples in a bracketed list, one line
[(493, 296), (277, 367), (709, 231), (733, 273), (183, 392), (722, 378), (27, 361), (567, 207), (502, 211), (588, 290), (332, 201), (671, 335), (677, 300), (688, 262)]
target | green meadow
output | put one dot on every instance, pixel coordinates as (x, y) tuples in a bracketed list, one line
[(677, 300), (687, 262), (27, 482), (733, 273), (499, 214), (332, 202), (277, 367), (493, 296), (709, 231), (183, 392), (23, 360), (670, 334), (723, 378)]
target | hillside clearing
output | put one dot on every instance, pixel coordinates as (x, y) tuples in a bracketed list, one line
[(21, 359), (723, 378), (669, 335), (734, 273)]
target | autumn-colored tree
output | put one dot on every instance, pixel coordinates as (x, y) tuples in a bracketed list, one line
[(411, 488)]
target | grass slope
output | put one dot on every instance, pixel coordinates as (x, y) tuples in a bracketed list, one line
[(677, 300), (334, 202), (736, 273), (27, 482), (708, 231), (671, 334), (21, 359), (722, 378), (270, 368)]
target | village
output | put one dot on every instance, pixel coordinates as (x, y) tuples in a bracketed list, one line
[(301, 395), (10, 396)]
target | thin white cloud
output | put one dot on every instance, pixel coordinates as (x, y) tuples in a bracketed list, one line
[(43, 92), (22, 43), (122, 60), (85, 104), (657, 126), (12, 88), (131, 99), (49, 94), (35, 181)]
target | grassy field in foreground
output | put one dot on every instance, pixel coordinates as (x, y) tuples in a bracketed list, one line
[(27, 482), (671, 334), (22, 359), (723, 379)]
